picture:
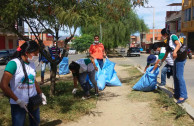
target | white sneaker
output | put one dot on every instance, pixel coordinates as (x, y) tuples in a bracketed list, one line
[(74, 91)]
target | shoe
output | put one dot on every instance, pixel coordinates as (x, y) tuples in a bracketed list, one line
[(181, 101), (160, 84), (175, 96)]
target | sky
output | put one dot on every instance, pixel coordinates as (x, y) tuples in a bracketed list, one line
[(160, 12)]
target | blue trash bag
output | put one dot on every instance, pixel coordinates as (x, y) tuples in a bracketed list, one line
[(108, 70), (100, 78), (88, 80), (64, 66), (114, 80), (148, 81)]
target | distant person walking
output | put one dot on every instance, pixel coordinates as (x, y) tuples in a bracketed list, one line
[(97, 51), (179, 54), (55, 52), (44, 62)]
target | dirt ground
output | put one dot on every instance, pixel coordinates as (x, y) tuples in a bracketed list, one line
[(113, 108)]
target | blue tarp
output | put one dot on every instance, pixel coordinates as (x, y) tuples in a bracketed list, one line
[(64, 66), (148, 81)]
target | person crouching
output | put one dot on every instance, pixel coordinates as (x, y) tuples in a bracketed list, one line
[(80, 69)]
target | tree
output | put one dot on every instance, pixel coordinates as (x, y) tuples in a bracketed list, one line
[(49, 15), (118, 22), (83, 42)]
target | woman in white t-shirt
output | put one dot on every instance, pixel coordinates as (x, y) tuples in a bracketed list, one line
[(80, 69), (14, 84)]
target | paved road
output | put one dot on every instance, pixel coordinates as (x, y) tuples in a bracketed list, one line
[(71, 58)]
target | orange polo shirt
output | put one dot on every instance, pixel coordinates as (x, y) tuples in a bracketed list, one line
[(97, 50)]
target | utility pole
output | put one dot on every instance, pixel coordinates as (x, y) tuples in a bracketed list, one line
[(153, 25)]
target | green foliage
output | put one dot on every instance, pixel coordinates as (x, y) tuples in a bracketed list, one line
[(83, 42), (118, 22)]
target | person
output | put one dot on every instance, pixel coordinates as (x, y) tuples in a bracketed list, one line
[(80, 69), (55, 51), (19, 91), (44, 63), (167, 70), (153, 57), (179, 56), (97, 51)]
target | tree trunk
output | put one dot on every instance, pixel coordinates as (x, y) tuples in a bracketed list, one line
[(53, 78)]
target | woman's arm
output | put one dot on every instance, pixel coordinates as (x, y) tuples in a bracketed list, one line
[(4, 85), (178, 45), (75, 81), (37, 88)]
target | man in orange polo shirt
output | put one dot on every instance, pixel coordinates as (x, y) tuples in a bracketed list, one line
[(97, 51)]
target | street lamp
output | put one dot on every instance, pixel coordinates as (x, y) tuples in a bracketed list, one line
[(153, 22)]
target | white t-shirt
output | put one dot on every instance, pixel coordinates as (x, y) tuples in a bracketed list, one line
[(84, 67), (19, 89)]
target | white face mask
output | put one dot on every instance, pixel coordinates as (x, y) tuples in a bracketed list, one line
[(96, 42), (55, 45), (164, 38), (34, 59)]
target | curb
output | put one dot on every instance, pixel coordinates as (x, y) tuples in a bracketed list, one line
[(188, 108)]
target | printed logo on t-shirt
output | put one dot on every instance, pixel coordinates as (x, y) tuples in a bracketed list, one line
[(31, 82)]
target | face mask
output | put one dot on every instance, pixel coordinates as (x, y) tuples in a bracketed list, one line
[(55, 45), (164, 38), (96, 42), (156, 52), (34, 59)]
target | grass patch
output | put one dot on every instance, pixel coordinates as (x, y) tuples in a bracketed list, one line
[(62, 107)]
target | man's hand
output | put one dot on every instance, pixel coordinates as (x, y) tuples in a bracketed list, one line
[(174, 55)]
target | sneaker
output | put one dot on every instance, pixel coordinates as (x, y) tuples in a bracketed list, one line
[(181, 101)]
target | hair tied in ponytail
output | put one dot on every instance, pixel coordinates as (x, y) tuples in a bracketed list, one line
[(19, 49)]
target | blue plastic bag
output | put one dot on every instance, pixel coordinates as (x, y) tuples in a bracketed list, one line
[(148, 81), (114, 80), (108, 70), (64, 66), (100, 78)]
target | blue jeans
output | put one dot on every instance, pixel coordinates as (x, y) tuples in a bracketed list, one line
[(43, 67), (180, 89), (100, 62), (85, 85), (164, 74), (18, 115)]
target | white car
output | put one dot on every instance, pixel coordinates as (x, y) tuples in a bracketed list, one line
[(72, 51)]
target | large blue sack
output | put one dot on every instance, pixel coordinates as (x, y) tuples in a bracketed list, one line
[(64, 66), (114, 80), (100, 78), (108, 70), (148, 81)]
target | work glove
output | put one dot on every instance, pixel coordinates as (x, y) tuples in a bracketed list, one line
[(74, 91), (22, 104), (160, 63), (44, 101)]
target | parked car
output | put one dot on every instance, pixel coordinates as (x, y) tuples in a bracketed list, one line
[(6, 55), (134, 51), (72, 51)]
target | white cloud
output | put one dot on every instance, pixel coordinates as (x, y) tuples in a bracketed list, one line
[(160, 12)]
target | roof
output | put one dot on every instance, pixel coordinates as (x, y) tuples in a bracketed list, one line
[(175, 4)]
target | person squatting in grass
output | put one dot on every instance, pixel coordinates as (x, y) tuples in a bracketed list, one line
[(15, 86), (80, 69)]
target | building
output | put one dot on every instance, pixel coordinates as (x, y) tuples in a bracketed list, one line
[(147, 38), (187, 24), (47, 39), (9, 40)]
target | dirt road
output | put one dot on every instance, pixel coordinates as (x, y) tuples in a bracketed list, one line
[(115, 109)]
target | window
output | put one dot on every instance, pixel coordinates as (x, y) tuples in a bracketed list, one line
[(193, 13), (187, 14)]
